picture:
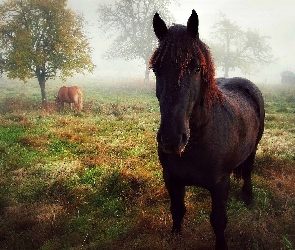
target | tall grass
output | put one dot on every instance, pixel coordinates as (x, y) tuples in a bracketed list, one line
[(92, 180)]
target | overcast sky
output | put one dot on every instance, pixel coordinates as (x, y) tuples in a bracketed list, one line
[(272, 18)]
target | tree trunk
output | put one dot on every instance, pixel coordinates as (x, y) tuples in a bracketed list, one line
[(147, 73), (226, 70), (42, 84), (227, 56)]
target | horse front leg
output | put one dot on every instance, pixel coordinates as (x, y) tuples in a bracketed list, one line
[(77, 105), (218, 218), (177, 208)]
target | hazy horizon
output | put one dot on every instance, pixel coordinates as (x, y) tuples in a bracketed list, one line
[(268, 17)]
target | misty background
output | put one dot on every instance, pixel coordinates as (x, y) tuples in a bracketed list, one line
[(271, 18)]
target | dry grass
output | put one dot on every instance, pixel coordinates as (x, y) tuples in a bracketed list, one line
[(93, 181)]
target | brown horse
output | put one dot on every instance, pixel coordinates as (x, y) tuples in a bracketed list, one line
[(209, 127), (70, 95)]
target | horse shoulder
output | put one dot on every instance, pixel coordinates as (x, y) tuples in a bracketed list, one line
[(62, 93)]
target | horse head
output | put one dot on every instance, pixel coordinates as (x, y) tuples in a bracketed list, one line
[(177, 64)]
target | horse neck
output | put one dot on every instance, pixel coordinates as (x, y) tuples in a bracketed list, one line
[(203, 111)]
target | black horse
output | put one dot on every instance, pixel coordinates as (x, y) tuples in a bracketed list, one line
[(209, 127)]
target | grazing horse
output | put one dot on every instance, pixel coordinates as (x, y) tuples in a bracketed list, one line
[(70, 95), (209, 127)]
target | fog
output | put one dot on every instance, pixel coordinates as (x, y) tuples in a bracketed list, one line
[(271, 18)]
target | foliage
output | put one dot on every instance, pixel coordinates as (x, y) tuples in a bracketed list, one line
[(234, 48), (42, 39), (93, 181), (130, 22)]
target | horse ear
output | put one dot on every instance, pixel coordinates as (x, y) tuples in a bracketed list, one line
[(193, 25), (160, 27)]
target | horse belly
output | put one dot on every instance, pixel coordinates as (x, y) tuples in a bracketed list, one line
[(233, 131), (63, 96), (244, 136)]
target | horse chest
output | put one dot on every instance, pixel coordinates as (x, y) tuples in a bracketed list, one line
[(190, 168)]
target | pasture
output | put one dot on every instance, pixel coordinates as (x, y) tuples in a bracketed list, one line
[(92, 180)]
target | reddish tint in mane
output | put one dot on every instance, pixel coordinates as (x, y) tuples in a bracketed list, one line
[(181, 48)]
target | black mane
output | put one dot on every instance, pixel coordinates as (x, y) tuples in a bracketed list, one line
[(181, 48)]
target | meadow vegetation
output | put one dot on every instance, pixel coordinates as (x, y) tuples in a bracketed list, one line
[(92, 180)]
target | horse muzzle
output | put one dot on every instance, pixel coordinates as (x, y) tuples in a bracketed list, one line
[(172, 144)]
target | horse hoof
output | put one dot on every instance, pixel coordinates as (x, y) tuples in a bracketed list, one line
[(221, 246), (176, 232), (247, 195), (247, 199)]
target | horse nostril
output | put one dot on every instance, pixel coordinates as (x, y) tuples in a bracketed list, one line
[(172, 143), (172, 140)]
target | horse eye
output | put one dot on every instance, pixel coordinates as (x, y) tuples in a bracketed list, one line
[(198, 69)]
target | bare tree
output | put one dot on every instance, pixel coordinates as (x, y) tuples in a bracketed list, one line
[(234, 48), (130, 23)]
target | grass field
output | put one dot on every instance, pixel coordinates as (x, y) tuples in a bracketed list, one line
[(92, 180)]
